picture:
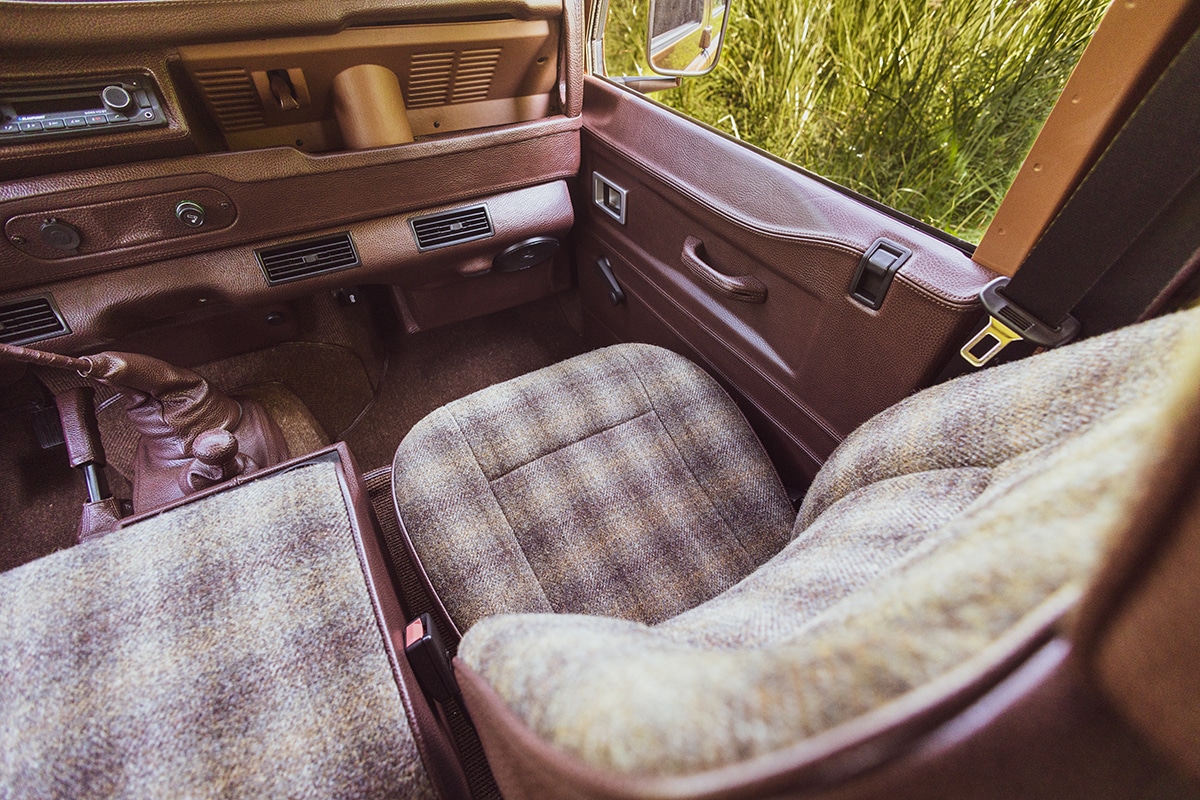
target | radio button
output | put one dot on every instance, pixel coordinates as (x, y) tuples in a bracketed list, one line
[(31, 126), (10, 127), (117, 118), (55, 124), (76, 122), (97, 119)]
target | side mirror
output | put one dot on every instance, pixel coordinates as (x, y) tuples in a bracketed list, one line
[(685, 36)]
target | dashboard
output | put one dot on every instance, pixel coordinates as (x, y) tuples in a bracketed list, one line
[(394, 143)]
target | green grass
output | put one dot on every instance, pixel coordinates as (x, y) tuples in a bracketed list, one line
[(928, 106)]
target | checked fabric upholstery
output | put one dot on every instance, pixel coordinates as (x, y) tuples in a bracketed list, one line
[(622, 483), (227, 648), (937, 532)]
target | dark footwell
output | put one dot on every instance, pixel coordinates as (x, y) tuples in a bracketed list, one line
[(40, 495)]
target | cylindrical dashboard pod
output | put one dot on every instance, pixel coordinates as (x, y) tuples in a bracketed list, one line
[(370, 107)]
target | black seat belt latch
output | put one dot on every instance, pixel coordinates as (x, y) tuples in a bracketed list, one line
[(1008, 323), (429, 659)]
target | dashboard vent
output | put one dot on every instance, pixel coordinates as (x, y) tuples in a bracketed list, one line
[(436, 79), (234, 101), (297, 260), (30, 320), (429, 79), (451, 227), (473, 78)]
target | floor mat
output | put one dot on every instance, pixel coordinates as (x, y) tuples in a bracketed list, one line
[(427, 370), (41, 497)]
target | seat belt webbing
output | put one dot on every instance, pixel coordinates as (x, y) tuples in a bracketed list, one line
[(1150, 162)]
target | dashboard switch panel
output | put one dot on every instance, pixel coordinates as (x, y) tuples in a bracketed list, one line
[(80, 230), (190, 213)]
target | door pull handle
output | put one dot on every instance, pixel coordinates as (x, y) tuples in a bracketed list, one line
[(744, 288)]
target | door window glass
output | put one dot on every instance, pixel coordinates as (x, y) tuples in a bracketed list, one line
[(928, 106)]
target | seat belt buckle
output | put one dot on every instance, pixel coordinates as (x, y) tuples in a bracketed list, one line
[(1008, 323), (429, 659)]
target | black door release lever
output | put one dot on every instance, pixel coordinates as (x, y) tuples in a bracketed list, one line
[(614, 289)]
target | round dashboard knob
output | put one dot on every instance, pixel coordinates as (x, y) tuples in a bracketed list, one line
[(60, 235), (189, 213), (118, 100)]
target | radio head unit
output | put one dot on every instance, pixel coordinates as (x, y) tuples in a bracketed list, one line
[(35, 112)]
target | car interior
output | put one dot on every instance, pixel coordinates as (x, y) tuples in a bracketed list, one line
[(394, 404)]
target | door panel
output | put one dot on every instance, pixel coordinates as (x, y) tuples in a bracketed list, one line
[(809, 364)]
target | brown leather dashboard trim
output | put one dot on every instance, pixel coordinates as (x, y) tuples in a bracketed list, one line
[(282, 192), (103, 307), (283, 162), (108, 221), (771, 203), (98, 26)]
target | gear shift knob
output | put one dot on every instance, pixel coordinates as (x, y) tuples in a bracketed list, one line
[(217, 460), (216, 448)]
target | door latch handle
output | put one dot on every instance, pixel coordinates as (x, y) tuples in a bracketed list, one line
[(744, 288)]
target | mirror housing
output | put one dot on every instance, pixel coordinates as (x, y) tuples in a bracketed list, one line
[(685, 36)]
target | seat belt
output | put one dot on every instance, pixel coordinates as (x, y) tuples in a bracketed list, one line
[(417, 601), (1152, 161)]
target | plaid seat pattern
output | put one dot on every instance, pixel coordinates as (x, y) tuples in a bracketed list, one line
[(941, 527), (227, 648), (622, 483)]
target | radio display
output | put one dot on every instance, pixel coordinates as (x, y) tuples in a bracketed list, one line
[(78, 103)]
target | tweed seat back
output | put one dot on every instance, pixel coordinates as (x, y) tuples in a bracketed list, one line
[(939, 533)]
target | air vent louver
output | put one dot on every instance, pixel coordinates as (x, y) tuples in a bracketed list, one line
[(297, 260), (30, 320), (233, 99), (451, 227), (436, 79)]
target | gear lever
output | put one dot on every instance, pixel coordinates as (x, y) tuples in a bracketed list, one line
[(81, 433), (185, 423)]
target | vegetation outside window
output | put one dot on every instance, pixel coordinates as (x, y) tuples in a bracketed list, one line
[(928, 106)]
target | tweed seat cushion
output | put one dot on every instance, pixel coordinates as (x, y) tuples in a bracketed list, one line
[(227, 648), (938, 530), (623, 482)]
